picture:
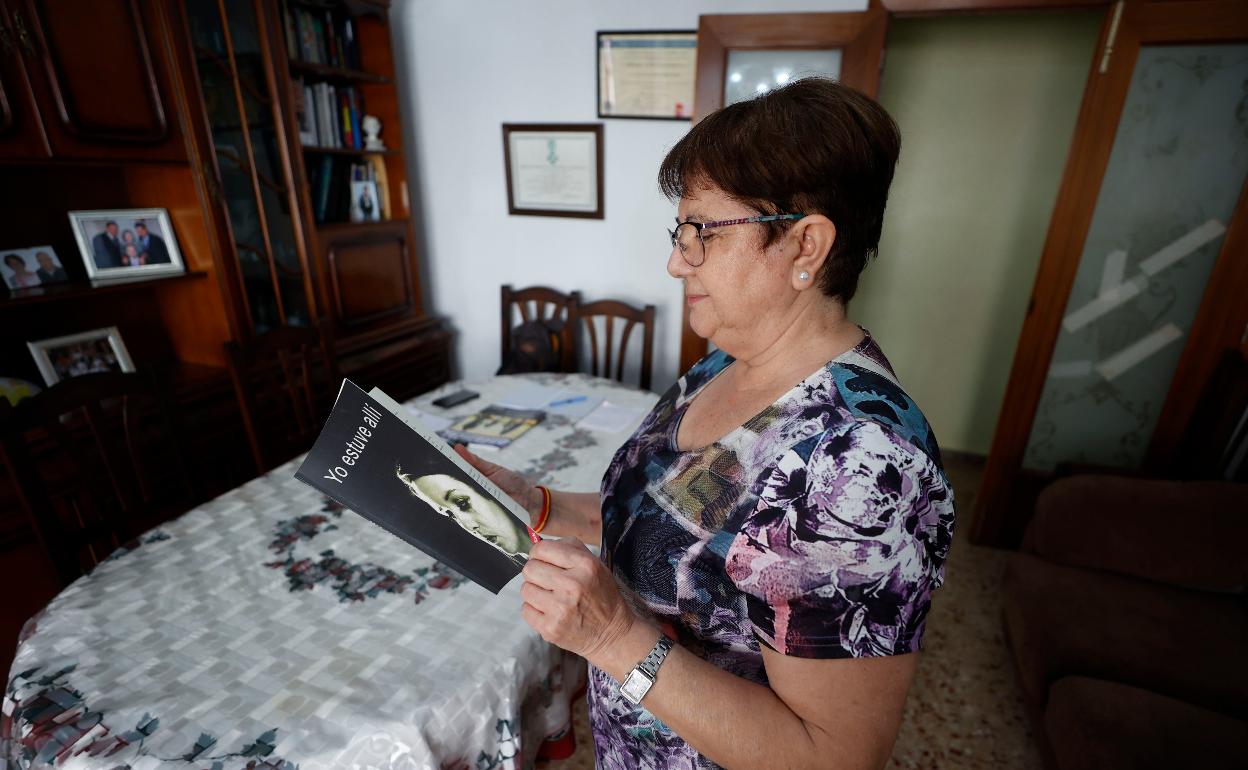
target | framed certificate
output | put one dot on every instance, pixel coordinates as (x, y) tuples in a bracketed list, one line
[(646, 75), (554, 169)]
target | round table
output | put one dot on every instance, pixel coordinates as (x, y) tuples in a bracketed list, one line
[(271, 628)]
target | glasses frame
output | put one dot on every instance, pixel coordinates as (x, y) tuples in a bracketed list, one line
[(700, 226)]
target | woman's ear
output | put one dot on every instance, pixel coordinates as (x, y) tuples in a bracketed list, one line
[(815, 235)]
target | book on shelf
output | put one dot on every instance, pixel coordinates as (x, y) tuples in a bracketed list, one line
[(348, 189), (321, 36), (375, 457), (332, 115)]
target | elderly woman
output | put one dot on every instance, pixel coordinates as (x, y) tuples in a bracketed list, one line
[(772, 533)]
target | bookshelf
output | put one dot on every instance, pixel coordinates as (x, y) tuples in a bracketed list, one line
[(284, 87)]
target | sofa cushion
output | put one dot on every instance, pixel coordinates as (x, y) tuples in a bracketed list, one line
[(1097, 725), (1065, 621), (1186, 533)]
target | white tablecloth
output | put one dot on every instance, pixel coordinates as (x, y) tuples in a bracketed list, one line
[(268, 628)]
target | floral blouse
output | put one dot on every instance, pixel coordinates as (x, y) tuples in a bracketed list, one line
[(819, 528)]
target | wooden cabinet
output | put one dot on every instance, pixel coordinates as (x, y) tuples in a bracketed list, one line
[(290, 258), (21, 132), (87, 80)]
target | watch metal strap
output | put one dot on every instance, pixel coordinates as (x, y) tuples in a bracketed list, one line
[(650, 664)]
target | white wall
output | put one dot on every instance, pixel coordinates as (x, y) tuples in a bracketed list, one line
[(467, 67)]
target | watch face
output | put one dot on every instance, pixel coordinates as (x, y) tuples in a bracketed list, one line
[(635, 686)]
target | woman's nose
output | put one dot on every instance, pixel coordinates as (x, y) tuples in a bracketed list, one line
[(677, 267)]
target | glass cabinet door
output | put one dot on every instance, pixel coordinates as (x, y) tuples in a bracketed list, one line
[(245, 120)]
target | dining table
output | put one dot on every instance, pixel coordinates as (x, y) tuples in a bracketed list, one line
[(271, 628)]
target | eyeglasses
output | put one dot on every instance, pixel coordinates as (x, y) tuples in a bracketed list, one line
[(689, 239)]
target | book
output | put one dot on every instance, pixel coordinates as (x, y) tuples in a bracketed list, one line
[(495, 426), (380, 462)]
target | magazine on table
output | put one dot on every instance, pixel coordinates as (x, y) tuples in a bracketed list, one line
[(495, 426), (383, 464)]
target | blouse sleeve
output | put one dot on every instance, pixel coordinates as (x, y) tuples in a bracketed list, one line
[(848, 539)]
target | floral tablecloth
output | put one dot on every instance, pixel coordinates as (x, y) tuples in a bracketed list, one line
[(270, 628)]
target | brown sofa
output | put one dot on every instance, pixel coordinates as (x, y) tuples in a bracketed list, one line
[(1127, 615)]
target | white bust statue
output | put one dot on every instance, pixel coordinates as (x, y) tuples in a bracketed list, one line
[(372, 127)]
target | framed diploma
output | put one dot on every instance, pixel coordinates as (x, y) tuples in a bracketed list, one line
[(554, 169), (646, 75)]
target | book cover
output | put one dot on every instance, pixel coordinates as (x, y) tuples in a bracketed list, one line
[(353, 100), (307, 36), (292, 36), (383, 465), (318, 29), (323, 181), (378, 165), (494, 425), (344, 112), (331, 41)]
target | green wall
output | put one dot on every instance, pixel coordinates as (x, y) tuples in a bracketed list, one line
[(987, 107)]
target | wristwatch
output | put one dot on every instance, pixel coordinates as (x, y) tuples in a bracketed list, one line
[(641, 678)]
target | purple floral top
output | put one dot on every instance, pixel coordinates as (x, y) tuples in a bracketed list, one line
[(819, 528)]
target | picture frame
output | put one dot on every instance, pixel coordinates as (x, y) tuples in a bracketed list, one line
[(365, 202), (106, 237), (31, 268), (73, 355), (554, 169), (646, 75)]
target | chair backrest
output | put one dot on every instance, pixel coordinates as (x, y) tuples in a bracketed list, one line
[(285, 382), (548, 307), (95, 461), (607, 359)]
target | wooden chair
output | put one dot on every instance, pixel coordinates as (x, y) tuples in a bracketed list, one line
[(286, 382), (613, 350), (554, 309), (95, 461)]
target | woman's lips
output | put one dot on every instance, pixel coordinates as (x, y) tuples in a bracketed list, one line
[(694, 298)]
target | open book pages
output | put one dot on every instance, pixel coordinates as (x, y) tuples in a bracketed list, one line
[(382, 463)]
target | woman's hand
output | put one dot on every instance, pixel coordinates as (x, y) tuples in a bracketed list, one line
[(571, 599), (516, 486)]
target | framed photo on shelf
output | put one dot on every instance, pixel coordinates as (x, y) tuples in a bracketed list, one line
[(647, 75), (126, 243), (99, 350), (554, 169), (28, 268)]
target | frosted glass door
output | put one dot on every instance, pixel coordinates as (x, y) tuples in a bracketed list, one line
[(751, 73), (1178, 165)]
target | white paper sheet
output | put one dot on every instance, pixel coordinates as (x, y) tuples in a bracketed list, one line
[(611, 418)]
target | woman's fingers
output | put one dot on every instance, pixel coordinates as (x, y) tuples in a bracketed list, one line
[(547, 576), (566, 553), (484, 466)]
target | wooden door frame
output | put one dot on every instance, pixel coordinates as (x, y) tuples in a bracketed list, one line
[(860, 34), (1138, 23), (719, 32)]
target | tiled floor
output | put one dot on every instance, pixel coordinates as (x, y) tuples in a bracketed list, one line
[(965, 709)]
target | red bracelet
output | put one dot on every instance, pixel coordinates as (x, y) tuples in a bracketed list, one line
[(545, 514)]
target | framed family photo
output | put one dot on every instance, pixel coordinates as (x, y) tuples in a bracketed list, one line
[(99, 350), (554, 169), (29, 268), (126, 243)]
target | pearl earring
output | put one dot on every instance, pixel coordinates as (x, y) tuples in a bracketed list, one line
[(803, 276)]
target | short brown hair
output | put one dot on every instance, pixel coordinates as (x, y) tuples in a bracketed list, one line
[(814, 146)]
